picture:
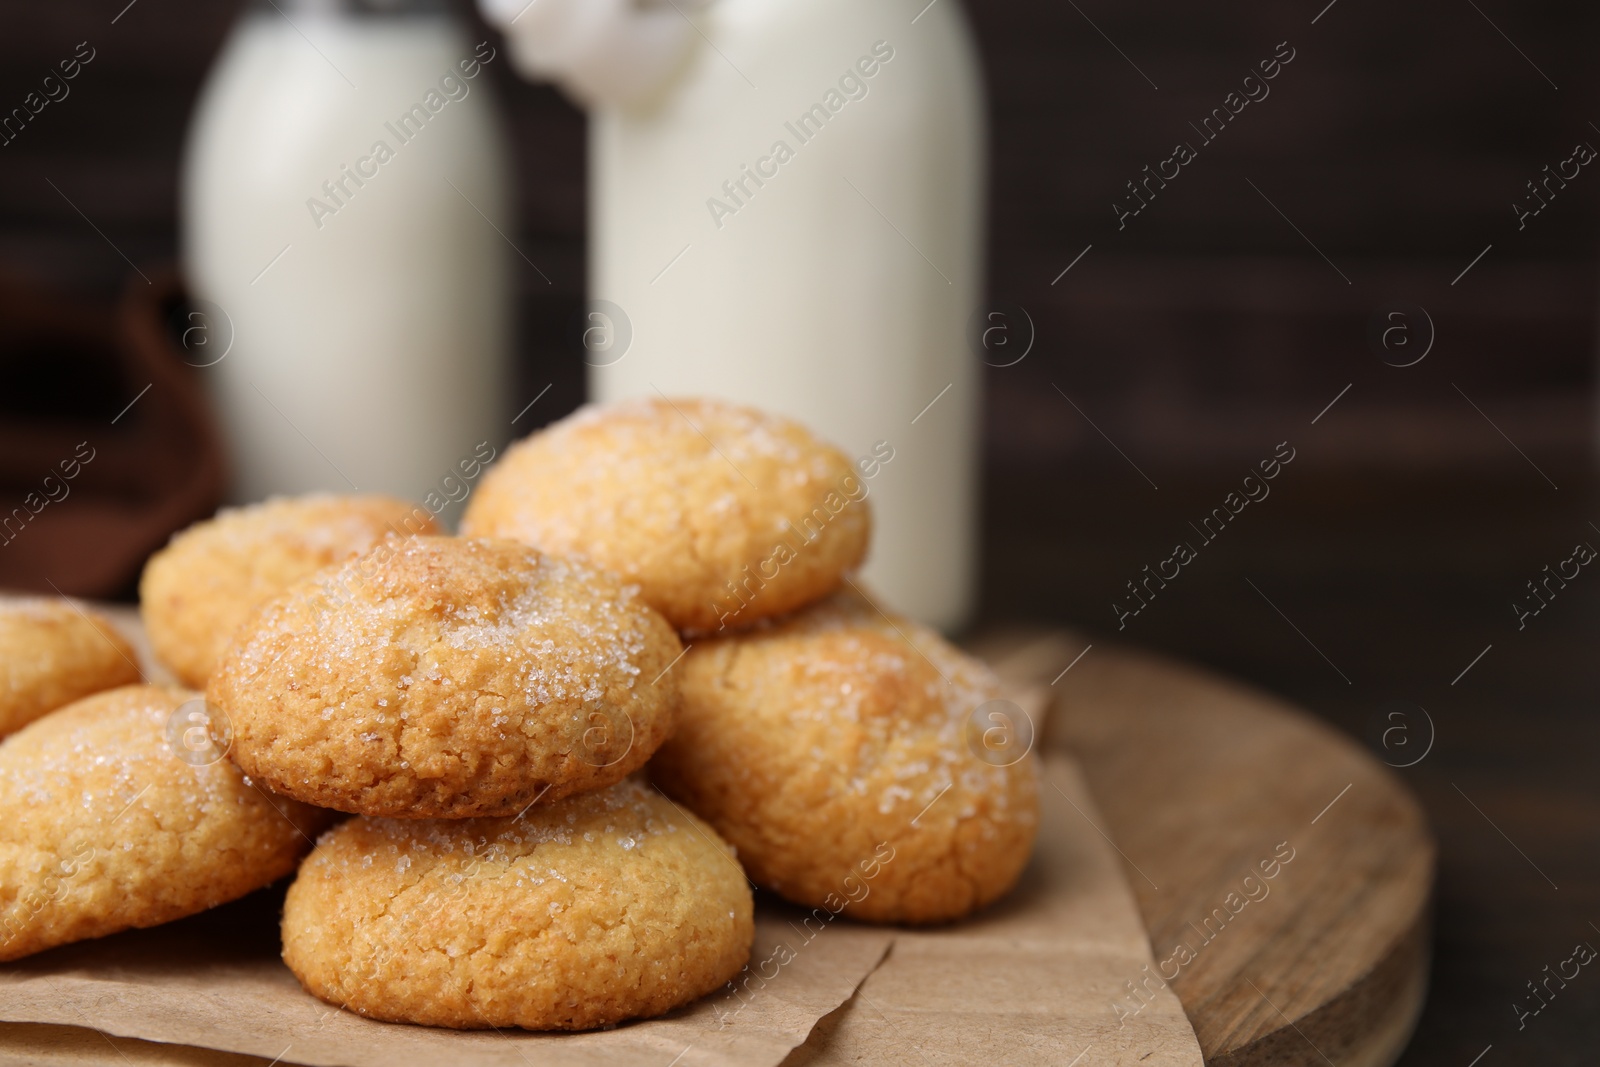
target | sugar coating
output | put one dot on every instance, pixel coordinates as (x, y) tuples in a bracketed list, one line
[(52, 653), (610, 905), (437, 677), (689, 498), (106, 828), (196, 592), (814, 743)]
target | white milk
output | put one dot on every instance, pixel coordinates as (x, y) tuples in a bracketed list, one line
[(371, 333), (835, 284)]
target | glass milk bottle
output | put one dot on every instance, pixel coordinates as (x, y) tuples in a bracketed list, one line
[(792, 216), (344, 179)]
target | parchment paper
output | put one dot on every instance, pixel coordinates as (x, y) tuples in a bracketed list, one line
[(1030, 981), (216, 981)]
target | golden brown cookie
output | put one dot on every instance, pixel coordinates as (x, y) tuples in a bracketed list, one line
[(52, 653), (854, 762), (111, 823), (607, 906), (197, 590), (437, 677), (722, 514)]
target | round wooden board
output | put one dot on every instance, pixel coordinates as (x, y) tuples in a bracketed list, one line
[(1199, 780)]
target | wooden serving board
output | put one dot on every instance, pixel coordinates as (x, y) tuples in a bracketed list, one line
[(1198, 780)]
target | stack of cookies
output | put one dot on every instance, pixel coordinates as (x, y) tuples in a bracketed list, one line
[(827, 739), (122, 811), (640, 680)]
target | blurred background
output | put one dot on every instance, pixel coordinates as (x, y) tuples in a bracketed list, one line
[(1233, 312)]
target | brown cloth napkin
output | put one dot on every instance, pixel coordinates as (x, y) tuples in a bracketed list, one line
[(107, 442)]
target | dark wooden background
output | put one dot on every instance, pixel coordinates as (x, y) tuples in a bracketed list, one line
[(1396, 141), (1198, 337)]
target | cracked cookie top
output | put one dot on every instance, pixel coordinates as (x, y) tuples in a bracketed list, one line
[(438, 677), (835, 750), (723, 514)]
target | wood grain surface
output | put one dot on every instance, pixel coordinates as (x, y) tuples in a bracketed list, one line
[(1200, 780)]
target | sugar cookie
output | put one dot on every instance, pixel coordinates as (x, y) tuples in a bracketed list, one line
[(108, 827), (607, 906), (836, 752), (724, 515), (52, 653), (437, 677), (195, 592)]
